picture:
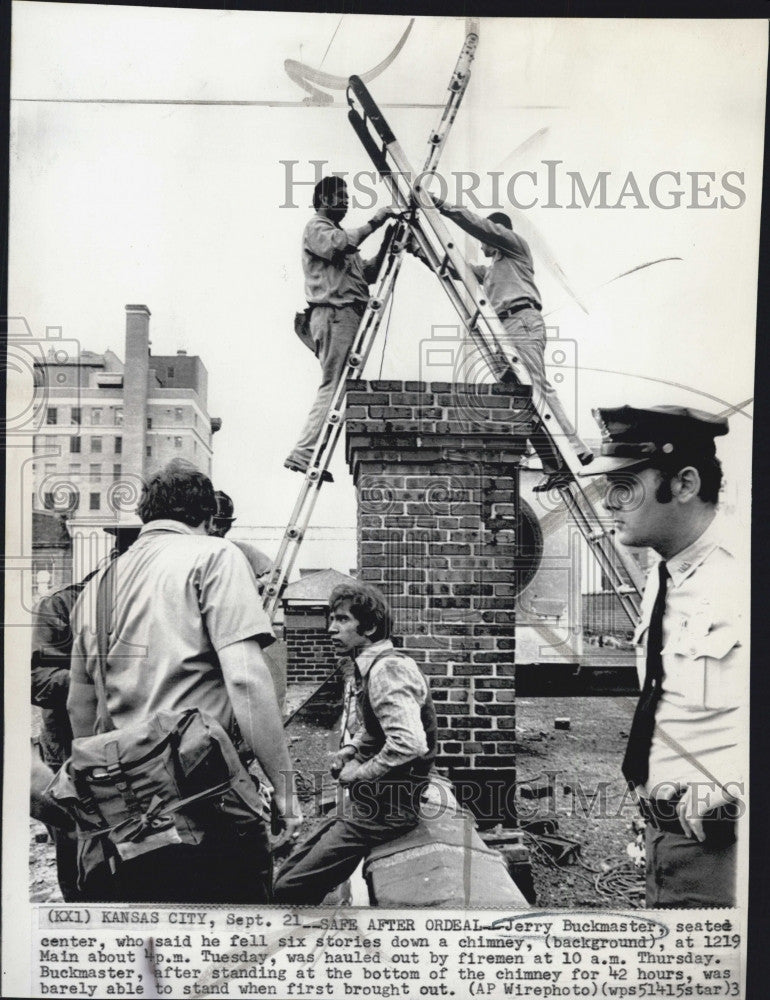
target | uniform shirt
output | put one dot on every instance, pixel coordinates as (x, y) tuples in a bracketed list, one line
[(510, 278), (698, 720), (335, 274), (397, 692), (180, 597)]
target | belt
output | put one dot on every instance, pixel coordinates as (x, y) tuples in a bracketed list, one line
[(718, 824), (357, 306), (517, 307)]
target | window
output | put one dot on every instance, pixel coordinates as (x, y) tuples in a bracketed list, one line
[(94, 501), (149, 423), (94, 472), (76, 415), (51, 415), (177, 442), (178, 413), (96, 444), (96, 415), (170, 371), (75, 468), (74, 446), (118, 416), (118, 445), (148, 451), (50, 468), (117, 471)]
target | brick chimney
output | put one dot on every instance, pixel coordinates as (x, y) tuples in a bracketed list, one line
[(436, 472), (135, 388)]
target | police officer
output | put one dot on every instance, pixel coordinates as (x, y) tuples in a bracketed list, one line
[(686, 745)]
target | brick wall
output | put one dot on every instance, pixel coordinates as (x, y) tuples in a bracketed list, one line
[(436, 471), (309, 649)]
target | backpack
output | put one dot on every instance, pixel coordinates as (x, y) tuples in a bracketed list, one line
[(168, 779)]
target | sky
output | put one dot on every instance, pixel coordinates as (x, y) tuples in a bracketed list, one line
[(183, 206)]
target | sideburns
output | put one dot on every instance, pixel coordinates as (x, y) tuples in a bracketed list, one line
[(664, 494)]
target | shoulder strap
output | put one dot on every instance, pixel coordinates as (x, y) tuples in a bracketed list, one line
[(105, 595), (381, 656), (400, 655)]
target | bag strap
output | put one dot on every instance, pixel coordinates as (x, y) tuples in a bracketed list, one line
[(157, 811), (104, 603)]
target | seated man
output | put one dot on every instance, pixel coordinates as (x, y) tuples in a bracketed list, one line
[(386, 765)]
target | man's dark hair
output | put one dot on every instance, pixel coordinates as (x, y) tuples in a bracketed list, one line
[(501, 219), (367, 605), (709, 468), (178, 492), (325, 190)]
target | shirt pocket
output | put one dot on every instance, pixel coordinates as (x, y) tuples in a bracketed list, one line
[(700, 665)]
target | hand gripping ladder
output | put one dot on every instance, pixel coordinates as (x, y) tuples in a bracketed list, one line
[(362, 345), (483, 326)]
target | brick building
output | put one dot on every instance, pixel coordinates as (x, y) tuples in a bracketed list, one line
[(309, 648), (107, 425)]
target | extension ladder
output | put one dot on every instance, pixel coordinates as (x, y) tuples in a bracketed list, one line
[(362, 345), (441, 254)]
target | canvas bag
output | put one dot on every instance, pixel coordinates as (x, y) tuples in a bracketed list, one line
[(166, 780)]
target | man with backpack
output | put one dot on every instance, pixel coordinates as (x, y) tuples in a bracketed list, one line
[(386, 765), (185, 631)]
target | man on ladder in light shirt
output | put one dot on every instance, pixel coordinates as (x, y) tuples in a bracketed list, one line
[(509, 285), (337, 288)]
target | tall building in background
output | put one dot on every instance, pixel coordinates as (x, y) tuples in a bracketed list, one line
[(109, 424)]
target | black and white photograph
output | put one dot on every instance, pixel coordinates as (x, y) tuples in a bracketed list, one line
[(379, 432)]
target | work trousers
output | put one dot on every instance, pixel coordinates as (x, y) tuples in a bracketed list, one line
[(227, 867), (525, 335), (683, 872), (373, 814), (333, 330)]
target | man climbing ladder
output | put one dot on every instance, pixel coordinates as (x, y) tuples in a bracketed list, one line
[(509, 285), (337, 289)]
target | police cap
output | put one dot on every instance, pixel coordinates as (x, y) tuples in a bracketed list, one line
[(633, 437)]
